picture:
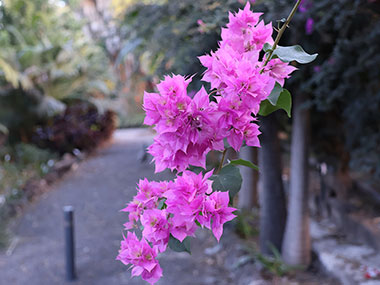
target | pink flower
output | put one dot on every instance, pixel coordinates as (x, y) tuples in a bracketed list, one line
[(152, 276), (156, 228), (185, 126), (165, 109), (185, 201), (174, 86), (182, 226), (148, 195), (237, 120), (251, 133), (245, 33), (141, 257), (202, 28), (279, 70), (134, 209), (187, 188), (200, 22), (309, 26), (216, 213), (305, 6), (188, 126)]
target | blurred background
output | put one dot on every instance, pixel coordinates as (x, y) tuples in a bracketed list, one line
[(72, 78)]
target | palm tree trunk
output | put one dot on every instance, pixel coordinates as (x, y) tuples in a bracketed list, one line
[(296, 249), (271, 195)]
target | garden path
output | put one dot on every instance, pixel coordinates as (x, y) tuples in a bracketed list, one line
[(98, 189)]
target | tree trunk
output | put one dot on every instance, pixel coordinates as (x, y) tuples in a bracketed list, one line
[(248, 192), (296, 249), (271, 196)]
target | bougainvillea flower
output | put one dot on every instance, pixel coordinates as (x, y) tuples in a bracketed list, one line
[(191, 124), (156, 228), (186, 127), (279, 70), (141, 257), (217, 212)]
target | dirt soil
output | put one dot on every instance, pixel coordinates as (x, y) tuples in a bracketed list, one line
[(98, 189)]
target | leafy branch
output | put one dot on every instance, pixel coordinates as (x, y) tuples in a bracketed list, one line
[(282, 30)]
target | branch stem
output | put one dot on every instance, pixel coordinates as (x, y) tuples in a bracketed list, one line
[(282, 30), (214, 91), (222, 161)]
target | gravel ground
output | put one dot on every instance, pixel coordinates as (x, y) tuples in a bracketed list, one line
[(98, 189)]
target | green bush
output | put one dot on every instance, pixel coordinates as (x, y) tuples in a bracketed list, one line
[(45, 57), (81, 127), (167, 36)]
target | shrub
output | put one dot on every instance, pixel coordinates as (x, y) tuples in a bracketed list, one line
[(81, 127)]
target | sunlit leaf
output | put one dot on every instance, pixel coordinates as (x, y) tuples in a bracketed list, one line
[(296, 53)]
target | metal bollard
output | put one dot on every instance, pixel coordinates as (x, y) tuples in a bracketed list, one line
[(68, 212)]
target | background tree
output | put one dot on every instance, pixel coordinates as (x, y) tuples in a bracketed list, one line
[(248, 195), (344, 89), (168, 37), (45, 58), (296, 248), (272, 196)]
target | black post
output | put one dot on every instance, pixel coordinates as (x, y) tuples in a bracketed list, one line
[(69, 242)]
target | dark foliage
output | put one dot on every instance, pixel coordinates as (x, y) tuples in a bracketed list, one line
[(348, 83), (343, 83), (45, 58), (80, 127), (344, 80), (169, 37)]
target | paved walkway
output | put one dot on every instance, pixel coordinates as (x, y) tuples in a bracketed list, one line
[(98, 189)]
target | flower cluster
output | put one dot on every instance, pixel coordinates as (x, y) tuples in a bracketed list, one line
[(170, 209), (243, 80), (188, 127), (142, 258)]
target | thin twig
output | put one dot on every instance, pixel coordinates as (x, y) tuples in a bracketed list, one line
[(282, 30), (222, 161), (214, 91)]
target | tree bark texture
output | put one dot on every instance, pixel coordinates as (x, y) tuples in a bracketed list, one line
[(271, 195), (296, 249), (248, 197)]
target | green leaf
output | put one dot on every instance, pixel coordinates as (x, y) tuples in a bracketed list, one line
[(266, 108), (296, 53), (196, 169), (228, 179), (226, 144), (275, 94), (267, 47), (284, 102), (244, 163), (178, 246), (161, 204)]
